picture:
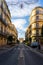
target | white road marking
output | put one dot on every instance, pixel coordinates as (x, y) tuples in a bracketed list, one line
[(21, 60)]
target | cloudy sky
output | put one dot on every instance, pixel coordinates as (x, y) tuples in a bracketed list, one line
[(20, 16)]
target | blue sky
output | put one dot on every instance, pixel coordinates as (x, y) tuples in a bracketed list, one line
[(20, 16)]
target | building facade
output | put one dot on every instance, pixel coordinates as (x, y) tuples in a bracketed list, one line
[(28, 35), (21, 40), (6, 26), (14, 34), (36, 23)]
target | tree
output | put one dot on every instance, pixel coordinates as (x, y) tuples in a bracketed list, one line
[(30, 39), (10, 39)]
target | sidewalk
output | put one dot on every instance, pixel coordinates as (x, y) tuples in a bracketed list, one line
[(41, 50), (41, 47)]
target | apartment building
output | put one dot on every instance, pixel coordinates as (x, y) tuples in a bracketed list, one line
[(21, 40), (36, 23), (4, 15), (28, 34), (14, 33), (6, 26)]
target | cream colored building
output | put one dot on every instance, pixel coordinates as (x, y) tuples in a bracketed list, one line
[(4, 15), (36, 22), (6, 26), (21, 40), (14, 33), (28, 34)]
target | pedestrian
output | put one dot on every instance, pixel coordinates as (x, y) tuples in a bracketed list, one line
[(39, 47)]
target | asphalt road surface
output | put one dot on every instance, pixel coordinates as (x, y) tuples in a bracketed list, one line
[(20, 55)]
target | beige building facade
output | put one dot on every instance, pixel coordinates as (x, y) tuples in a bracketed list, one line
[(21, 40), (6, 26), (36, 23)]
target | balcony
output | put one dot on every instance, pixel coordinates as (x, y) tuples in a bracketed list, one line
[(3, 20), (5, 34)]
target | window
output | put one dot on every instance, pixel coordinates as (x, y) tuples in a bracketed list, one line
[(37, 17), (37, 12), (3, 16), (41, 17), (41, 11), (39, 32), (33, 13), (0, 11), (4, 8), (34, 25), (40, 24), (0, 26), (37, 25), (34, 32), (0, 3), (33, 18)]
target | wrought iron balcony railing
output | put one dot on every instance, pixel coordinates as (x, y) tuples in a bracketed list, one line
[(3, 20), (5, 34)]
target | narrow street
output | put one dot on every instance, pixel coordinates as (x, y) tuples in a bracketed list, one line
[(20, 55), (21, 32)]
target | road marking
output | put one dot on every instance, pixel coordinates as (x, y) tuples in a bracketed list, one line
[(18, 48), (21, 60)]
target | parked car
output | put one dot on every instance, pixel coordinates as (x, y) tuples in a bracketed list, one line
[(34, 44)]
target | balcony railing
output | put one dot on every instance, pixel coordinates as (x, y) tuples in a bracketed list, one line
[(3, 20), (5, 34)]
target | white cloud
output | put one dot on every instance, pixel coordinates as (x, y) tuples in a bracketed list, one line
[(12, 1), (16, 11), (20, 35), (19, 23)]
